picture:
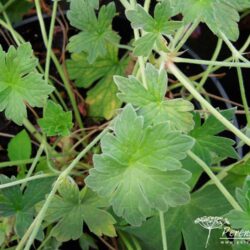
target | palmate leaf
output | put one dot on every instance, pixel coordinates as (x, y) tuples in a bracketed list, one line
[(152, 102), (140, 169), (71, 208), (155, 27), (14, 202), (96, 32), (102, 99), (219, 15), (55, 120), (19, 83), (210, 147)]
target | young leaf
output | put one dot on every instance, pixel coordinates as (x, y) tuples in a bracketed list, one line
[(219, 15), (19, 147), (96, 32), (152, 102), (55, 120), (102, 99), (155, 27), (19, 83), (140, 169), (73, 207), (21, 205)]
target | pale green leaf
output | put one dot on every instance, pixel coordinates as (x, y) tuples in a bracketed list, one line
[(55, 120), (140, 169), (152, 102), (20, 83)]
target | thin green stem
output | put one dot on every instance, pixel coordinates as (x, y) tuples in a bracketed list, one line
[(49, 45), (6, 6), (216, 181), (126, 4), (28, 125), (235, 53), (34, 163), (243, 95), (58, 66), (214, 57), (189, 86), (146, 5), (25, 180), (163, 231), (213, 63), (34, 227), (177, 38), (191, 29)]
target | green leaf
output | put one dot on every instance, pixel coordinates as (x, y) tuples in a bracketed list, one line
[(155, 27), (96, 32), (19, 147), (241, 219), (152, 102), (73, 207), (210, 147), (55, 120), (14, 202), (219, 15), (140, 169), (102, 99), (87, 242), (17, 9), (180, 221), (20, 83)]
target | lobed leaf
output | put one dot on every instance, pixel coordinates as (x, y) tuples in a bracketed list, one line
[(55, 120), (96, 32), (152, 103), (19, 83), (71, 208), (140, 169)]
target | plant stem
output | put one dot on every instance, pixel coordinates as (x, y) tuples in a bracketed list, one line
[(32, 130), (49, 46), (34, 163), (25, 180), (34, 227), (187, 34), (146, 5), (58, 66), (235, 53), (6, 6), (214, 57), (216, 181), (188, 85), (163, 231), (243, 95), (212, 63)]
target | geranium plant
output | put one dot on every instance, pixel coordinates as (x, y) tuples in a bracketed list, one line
[(104, 156)]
